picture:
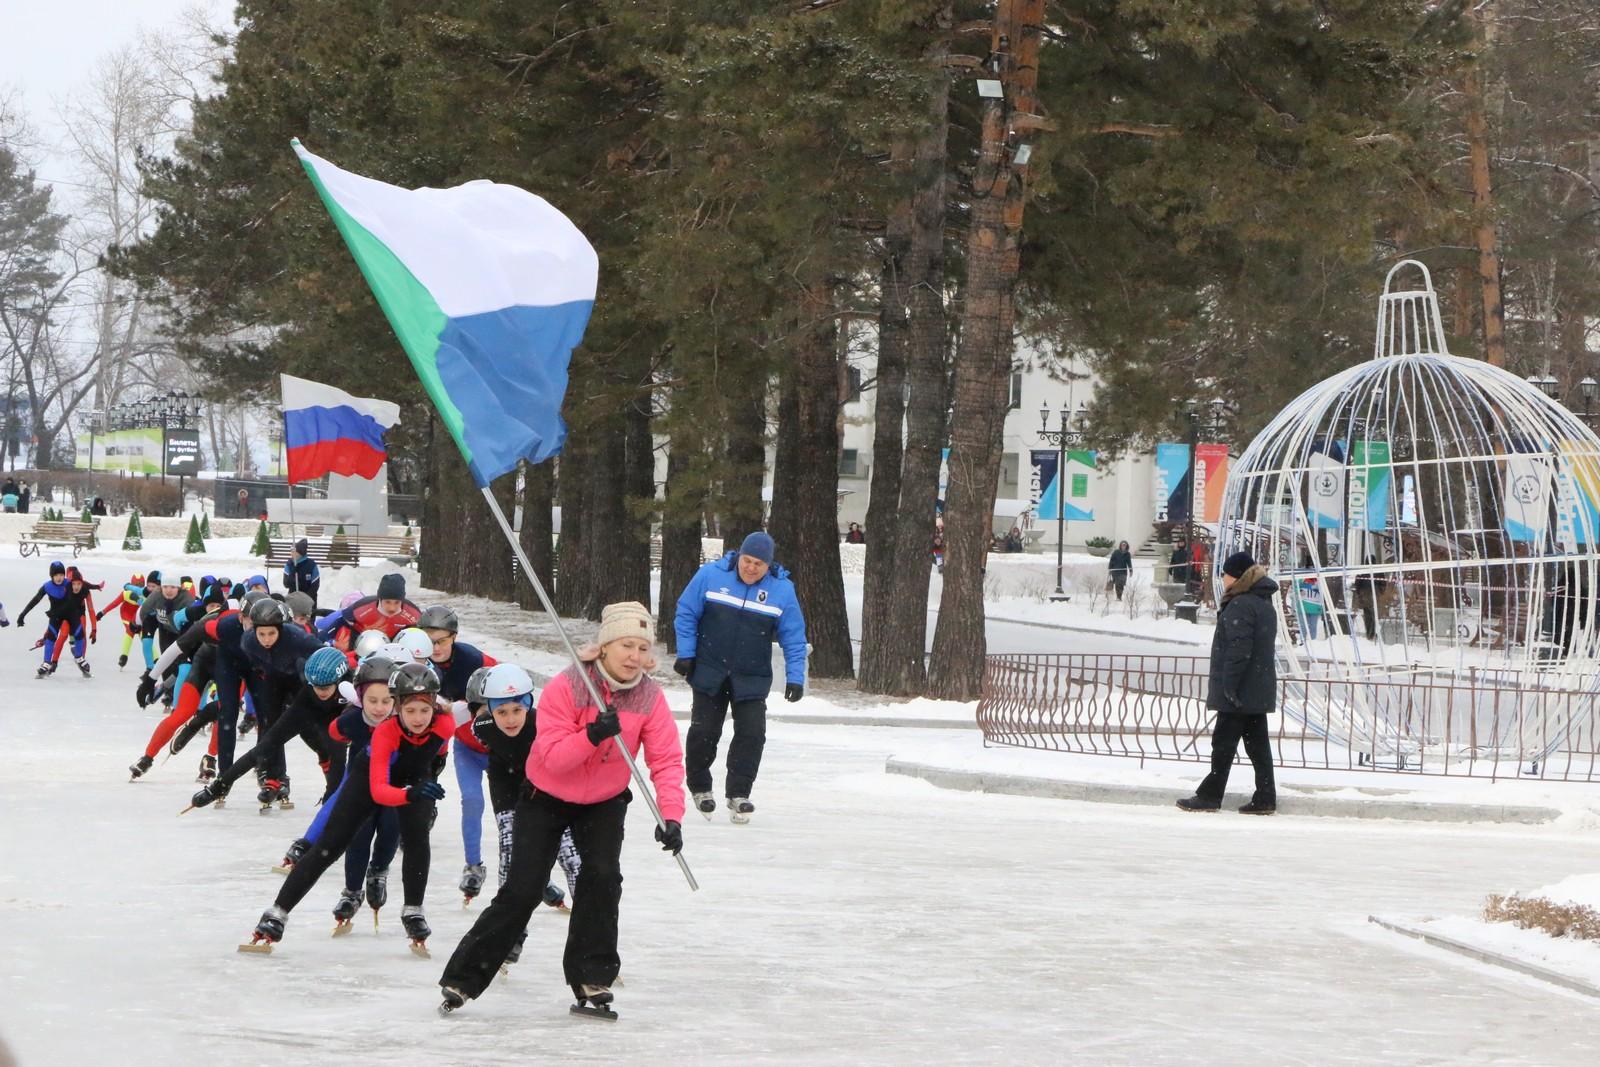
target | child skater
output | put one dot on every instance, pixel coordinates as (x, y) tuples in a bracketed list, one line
[(71, 602), (578, 781), (395, 768), (129, 601)]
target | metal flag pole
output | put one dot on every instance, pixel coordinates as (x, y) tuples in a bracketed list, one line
[(284, 417), (594, 693)]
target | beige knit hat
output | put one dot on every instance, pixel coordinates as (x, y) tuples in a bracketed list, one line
[(626, 619)]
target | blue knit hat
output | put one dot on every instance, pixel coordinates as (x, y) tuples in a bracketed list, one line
[(758, 546)]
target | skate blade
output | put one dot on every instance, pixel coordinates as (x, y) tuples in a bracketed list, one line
[(265, 808), (559, 909), (343, 927), (448, 1009), (285, 805), (466, 902), (420, 949), (219, 805), (590, 1011), (279, 868), (739, 820), (186, 811), (262, 948)]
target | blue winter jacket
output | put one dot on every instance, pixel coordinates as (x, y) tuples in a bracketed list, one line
[(728, 627), (454, 673), (302, 575)]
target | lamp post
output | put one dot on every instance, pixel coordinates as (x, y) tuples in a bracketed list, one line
[(1061, 438), (1210, 422)]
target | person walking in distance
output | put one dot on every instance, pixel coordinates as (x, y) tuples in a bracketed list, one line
[(1243, 687), (1119, 567), (728, 616)]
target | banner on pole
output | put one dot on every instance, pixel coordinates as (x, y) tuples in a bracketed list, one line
[(1172, 482), (1210, 480), (1527, 497), (1370, 479), (1325, 488), (1046, 482)]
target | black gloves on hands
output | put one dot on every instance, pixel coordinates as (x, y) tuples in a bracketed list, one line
[(793, 692), (684, 667), (146, 691), (671, 838), (607, 725), (431, 790)]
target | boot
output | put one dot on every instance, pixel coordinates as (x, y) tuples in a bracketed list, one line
[(206, 796), (377, 887), (1199, 803), (139, 768), (1259, 807), (349, 904), (184, 735), (122, 661), (740, 809), (270, 928), (208, 770)]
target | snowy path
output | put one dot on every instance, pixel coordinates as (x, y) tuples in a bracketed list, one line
[(861, 919)]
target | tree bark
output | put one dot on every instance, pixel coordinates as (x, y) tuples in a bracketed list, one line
[(605, 524), (805, 487), (640, 486), (739, 507), (983, 362), (1484, 232), (466, 552), (895, 628), (574, 564), (680, 523), (538, 492)]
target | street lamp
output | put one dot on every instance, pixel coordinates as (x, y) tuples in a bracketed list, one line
[(1061, 438), (1545, 384), (1211, 423)]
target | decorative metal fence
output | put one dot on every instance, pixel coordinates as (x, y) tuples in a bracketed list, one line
[(1153, 707)]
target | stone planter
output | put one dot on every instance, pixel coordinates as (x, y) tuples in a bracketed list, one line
[(1171, 592), (1101, 551)]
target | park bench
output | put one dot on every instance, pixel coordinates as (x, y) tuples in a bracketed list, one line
[(80, 535), (401, 549)]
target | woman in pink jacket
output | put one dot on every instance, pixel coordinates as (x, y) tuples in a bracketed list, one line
[(577, 778)]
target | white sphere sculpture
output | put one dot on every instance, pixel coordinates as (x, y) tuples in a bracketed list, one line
[(1444, 516)]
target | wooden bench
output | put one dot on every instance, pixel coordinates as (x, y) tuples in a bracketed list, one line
[(80, 535), (401, 550)]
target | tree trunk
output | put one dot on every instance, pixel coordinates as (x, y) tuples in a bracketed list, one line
[(805, 487), (574, 565), (639, 502), (983, 364), (605, 520), (467, 552), (538, 490), (894, 631), (680, 523), (739, 509), (1484, 219)]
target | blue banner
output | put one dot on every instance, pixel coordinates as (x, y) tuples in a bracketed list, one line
[(1172, 483)]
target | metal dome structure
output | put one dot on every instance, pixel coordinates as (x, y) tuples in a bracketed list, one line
[(1444, 516)]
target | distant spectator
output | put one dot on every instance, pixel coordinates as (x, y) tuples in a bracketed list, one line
[(98, 507), (1178, 568), (23, 498), (302, 575), (8, 500), (855, 536), (1310, 606), (1013, 542), (10, 487), (1119, 567)]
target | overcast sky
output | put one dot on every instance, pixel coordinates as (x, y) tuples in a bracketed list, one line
[(48, 48)]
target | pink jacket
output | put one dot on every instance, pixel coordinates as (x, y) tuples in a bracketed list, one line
[(564, 764)]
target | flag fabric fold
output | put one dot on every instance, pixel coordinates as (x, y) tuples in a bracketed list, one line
[(328, 431), (489, 289)]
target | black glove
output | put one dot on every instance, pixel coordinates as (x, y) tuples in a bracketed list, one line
[(431, 790), (146, 691), (671, 837), (793, 692), (22, 620), (684, 667), (607, 725)]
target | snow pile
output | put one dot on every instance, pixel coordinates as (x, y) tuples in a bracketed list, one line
[(1581, 890)]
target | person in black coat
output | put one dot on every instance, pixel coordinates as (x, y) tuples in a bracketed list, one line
[(1119, 566), (1243, 687)]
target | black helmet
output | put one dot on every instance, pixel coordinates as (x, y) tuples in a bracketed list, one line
[(374, 669), (413, 679), (439, 617), (268, 612)]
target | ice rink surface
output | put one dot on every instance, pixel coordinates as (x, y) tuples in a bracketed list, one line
[(859, 919)]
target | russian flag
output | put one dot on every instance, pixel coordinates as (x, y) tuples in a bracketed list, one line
[(488, 288), (328, 431)]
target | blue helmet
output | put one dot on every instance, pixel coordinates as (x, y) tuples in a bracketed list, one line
[(325, 666)]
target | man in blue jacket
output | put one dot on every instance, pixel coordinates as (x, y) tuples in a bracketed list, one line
[(301, 574), (727, 618)]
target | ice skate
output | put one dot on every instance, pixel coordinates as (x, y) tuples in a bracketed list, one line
[(555, 900), (297, 849), (706, 804), (417, 929), (206, 796), (184, 735), (122, 661), (740, 809), (83, 665), (472, 877), (377, 891), (268, 794), (344, 912), (208, 770), (45, 670), (247, 724), (594, 1002), (284, 803), (137, 770), (453, 999), (269, 931)]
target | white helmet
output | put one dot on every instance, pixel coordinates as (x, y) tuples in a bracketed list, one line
[(394, 652), (506, 681), (368, 642), (416, 641)]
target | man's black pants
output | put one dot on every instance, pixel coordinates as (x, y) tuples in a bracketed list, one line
[(1231, 727), (705, 732)]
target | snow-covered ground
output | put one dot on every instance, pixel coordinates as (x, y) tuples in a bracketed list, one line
[(861, 918)]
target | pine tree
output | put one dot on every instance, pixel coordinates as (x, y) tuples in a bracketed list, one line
[(194, 544), (261, 546), (339, 551), (87, 515), (133, 539), (205, 524)]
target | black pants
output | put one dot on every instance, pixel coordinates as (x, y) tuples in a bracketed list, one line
[(591, 956), (1119, 582), (351, 812), (744, 751), (268, 750), (1231, 726)]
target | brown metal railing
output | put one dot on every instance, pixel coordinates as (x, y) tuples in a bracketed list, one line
[(1153, 707)]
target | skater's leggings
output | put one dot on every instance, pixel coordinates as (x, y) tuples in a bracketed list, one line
[(148, 643), (353, 809), (567, 856), (226, 675), (373, 847), (591, 956), (268, 750), (189, 693), (470, 767), (55, 638), (128, 635)]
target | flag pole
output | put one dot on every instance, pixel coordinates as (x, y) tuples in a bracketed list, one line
[(594, 693), (283, 416)]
